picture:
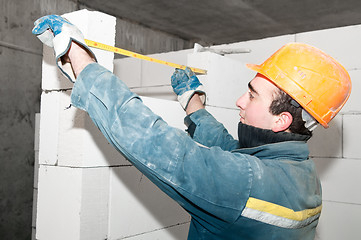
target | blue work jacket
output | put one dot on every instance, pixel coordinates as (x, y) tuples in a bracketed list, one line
[(266, 192)]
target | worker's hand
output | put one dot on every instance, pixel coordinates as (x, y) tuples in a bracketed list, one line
[(185, 84), (55, 31)]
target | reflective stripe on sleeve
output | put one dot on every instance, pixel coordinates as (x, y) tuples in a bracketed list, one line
[(280, 216)]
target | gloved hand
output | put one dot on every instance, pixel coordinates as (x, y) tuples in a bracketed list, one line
[(185, 84), (55, 31)]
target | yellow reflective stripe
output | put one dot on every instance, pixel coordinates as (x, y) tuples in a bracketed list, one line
[(276, 220), (281, 211)]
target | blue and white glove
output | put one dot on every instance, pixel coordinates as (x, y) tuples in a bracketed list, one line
[(55, 31), (185, 84)]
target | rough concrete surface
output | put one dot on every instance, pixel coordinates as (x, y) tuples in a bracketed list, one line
[(229, 21), (20, 77), (19, 98)]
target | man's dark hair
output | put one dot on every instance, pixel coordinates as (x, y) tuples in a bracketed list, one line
[(282, 102)]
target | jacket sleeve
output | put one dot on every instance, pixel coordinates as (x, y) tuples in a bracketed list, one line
[(206, 130), (207, 182)]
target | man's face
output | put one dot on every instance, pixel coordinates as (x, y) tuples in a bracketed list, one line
[(255, 103)]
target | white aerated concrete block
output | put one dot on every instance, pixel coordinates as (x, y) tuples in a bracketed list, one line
[(137, 206), (99, 27), (342, 43), (327, 142), (155, 74), (52, 78), (49, 125), (129, 70), (338, 178), (68, 137), (149, 78), (95, 26), (36, 149), (339, 221), (351, 136), (72, 203), (226, 79), (256, 51)]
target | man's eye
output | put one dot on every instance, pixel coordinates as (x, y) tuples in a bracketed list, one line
[(250, 95)]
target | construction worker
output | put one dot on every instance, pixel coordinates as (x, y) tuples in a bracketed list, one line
[(261, 186)]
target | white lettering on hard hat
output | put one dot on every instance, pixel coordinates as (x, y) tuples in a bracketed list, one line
[(302, 74)]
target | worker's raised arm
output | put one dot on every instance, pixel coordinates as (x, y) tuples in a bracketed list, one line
[(167, 156), (195, 103), (71, 52)]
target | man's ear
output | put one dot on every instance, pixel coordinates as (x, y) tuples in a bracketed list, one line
[(282, 122)]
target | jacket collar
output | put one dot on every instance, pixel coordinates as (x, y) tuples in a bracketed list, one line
[(267, 144), (250, 136)]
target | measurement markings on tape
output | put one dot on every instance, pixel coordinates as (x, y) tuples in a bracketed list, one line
[(124, 52)]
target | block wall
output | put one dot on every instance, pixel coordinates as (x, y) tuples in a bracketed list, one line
[(104, 196), (72, 195), (84, 188), (336, 150)]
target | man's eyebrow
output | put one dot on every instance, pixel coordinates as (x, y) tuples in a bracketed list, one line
[(252, 88)]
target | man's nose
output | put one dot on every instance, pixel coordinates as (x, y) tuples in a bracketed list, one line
[(242, 101)]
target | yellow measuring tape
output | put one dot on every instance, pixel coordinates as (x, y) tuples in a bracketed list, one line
[(103, 46)]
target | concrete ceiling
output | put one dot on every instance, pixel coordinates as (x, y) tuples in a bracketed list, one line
[(227, 21)]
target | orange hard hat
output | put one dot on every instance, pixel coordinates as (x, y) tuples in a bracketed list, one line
[(314, 79)]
